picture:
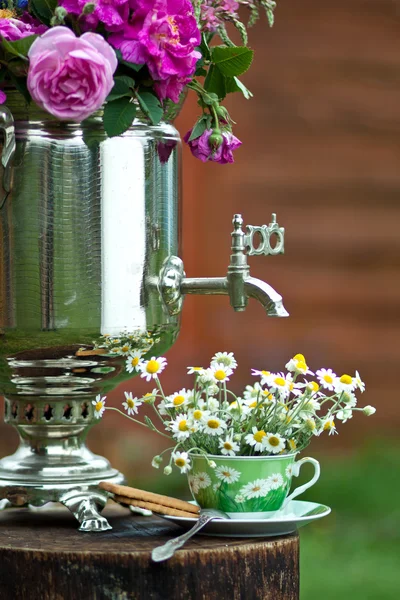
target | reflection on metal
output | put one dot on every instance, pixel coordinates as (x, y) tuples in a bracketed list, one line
[(238, 284)]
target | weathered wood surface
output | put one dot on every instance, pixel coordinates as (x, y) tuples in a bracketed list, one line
[(44, 557)]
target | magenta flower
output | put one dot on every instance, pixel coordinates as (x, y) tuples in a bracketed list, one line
[(70, 77), (215, 12), (163, 35), (201, 148), (15, 29), (113, 13), (3, 97)]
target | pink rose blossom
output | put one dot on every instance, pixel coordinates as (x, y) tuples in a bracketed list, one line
[(3, 97), (70, 77), (163, 35), (215, 12), (201, 148), (113, 13), (15, 29)]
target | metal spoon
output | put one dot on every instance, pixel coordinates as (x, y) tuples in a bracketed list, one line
[(168, 549)]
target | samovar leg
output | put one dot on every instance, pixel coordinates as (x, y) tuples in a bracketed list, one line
[(4, 503), (86, 507)]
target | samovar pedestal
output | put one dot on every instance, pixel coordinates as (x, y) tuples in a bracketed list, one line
[(52, 462)]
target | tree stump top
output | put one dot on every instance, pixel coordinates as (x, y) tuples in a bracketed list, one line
[(44, 556)]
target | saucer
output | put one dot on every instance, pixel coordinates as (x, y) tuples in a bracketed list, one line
[(296, 514)]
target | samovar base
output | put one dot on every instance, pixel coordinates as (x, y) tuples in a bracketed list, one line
[(83, 498)]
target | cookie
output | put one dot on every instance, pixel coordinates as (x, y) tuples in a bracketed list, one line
[(156, 508)]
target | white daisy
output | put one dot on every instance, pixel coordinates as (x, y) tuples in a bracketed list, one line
[(150, 397), (309, 407), (195, 370), (262, 374), (212, 404), (203, 480), (345, 383), (194, 484), (349, 399), (227, 474), (255, 489), (282, 384), (161, 409), (224, 358), (156, 461), (152, 368), (228, 447), (256, 439), (239, 498), (206, 378), (133, 362), (99, 406), (115, 350), (182, 461), (214, 425), (289, 471), (132, 404), (275, 481), (298, 365), (252, 392), (220, 372), (181, 427), (344, 415), (178, 399), (359, 382), (273, 442), (327, 378), (198, 415), (329, 425), (310, 425), (126, 349), (216, 486)]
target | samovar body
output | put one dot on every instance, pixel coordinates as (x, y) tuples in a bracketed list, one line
[(85, 222)]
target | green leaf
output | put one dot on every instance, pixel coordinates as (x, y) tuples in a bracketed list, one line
[(232, 61), (150, 105), (204, 48), (20, 84), (118, 116), (131, 65), (233, 84), (215, 82), (122, 87), (44, 8), (199, 128), (20, 47), (210, 98)]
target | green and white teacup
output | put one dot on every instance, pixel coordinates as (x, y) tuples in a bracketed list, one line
[(247, 487)]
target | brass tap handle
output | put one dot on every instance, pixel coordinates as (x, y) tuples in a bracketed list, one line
[(265, 232)]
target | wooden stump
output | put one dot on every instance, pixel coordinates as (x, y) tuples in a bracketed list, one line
[(44, 557)]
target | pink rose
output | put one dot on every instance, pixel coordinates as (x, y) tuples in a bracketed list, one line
[(201, 148), (15, 29), (70, 77)]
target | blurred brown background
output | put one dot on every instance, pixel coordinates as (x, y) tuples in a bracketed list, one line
[(321, 148)]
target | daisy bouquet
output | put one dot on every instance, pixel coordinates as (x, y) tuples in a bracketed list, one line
[(277, 414), (73, 57)]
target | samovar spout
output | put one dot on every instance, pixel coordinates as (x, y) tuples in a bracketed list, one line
[(238, 284)]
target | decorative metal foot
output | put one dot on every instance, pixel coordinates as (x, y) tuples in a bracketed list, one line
[(4, 504), (86, 508)]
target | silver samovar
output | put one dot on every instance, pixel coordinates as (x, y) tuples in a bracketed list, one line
[(89, 265)]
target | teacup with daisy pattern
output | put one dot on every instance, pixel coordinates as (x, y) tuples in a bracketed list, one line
[(247, 487)]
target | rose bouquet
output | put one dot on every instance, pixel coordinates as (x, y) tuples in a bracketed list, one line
[(72, 57), (277, 415)]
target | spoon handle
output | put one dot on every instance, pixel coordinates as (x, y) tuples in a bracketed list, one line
[(168, 549)]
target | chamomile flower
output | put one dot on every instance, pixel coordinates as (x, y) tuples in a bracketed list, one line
[(131, 404), (212, 404), (256, 489), (240, 499), (228, 447), (157, 461), (298, 365), (182, 461), (310, 426), (329, 425), (252, 392), (115, 350), (161, 409), (126, 349), (281, 384), (99, 406), (203, 480), (194, 484), (262, 374), (359, 382), (275, 481), (344, 415), (198, 415), (206, 378), (214, 425), (292, 445), (225, 358), (133, 362), (309, 407), (345, 383), (152, 368), (256, 439), (150, 397), (349, 399), (195, 370), (289, 471), (220, 372), (369, 410), (181, 427), (178, 399), (217, 486), (327, 379), (273, 442), (227, 474)]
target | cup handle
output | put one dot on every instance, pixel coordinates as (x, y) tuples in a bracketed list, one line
[(295, 473)]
